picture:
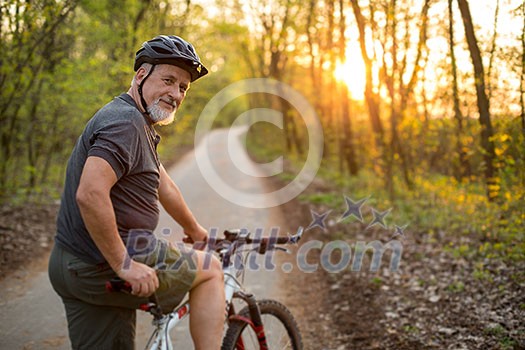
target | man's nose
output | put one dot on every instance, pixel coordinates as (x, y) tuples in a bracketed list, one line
[(176, 95)]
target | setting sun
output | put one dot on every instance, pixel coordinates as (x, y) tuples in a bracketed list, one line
[(352, 72)]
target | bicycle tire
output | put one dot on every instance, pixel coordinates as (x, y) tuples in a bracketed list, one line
[(280, 327)]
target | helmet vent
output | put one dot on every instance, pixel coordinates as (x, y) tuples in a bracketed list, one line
[(162, 50)]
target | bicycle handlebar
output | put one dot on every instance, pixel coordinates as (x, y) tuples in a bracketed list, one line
[(232, 239), (240, 237)]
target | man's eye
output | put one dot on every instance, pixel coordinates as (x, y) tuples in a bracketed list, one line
[(168, 81)]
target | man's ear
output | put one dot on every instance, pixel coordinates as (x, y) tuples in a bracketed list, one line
[(140, 74)]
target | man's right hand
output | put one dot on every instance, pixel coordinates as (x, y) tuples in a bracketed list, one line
[(143, 279)]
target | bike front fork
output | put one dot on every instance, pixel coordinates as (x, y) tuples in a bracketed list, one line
[(254, 321)]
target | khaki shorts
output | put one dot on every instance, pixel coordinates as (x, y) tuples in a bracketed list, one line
[(98, 319)]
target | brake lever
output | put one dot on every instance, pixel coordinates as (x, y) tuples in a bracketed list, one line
[(266, 249), (294, 239), (286, 250)]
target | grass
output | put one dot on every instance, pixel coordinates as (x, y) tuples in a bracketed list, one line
[(377, 281), (456, 287), (501, 334)]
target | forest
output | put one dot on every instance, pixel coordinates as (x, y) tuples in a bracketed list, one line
[(421, 100), (421, 103)]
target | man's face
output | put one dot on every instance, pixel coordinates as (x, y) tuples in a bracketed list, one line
[(164, 91)]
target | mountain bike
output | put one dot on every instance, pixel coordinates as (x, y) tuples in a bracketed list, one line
[(262, 324)]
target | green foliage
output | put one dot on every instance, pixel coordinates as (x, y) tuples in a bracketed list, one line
[(265, 142), (36, 43), (62, 61), (411, 329), (329, 199), (456, 287), (376, 281), (506, 342)]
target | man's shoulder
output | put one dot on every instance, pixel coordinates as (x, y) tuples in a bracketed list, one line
[(121, 106), (119, 111)]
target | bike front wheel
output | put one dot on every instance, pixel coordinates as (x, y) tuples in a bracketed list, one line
[(280, 329)]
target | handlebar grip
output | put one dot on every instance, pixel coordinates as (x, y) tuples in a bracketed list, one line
[(266, 240), (269, 242), (282, 240), (118, 285)]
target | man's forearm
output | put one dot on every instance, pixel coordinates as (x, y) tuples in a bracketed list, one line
[(172, 200), (176, 207)]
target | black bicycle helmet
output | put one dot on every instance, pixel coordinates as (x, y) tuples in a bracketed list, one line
[(171, 49)]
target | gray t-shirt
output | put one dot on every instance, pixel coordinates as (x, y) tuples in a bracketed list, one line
[(122, 136)]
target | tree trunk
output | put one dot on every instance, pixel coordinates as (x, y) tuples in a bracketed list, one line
[(372, 100), (487, 132), (406, 91), (316, 78), (492, 52), (32, 144), (310, 38), (522, 78), (347, 137), (463, 169), (391, 81), (332, 137)]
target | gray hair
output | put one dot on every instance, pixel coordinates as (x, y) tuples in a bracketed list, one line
[(146, 66)]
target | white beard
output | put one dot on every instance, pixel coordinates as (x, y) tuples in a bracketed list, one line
[(160, 116)]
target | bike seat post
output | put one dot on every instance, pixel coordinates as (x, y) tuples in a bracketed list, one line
[(155, 308)]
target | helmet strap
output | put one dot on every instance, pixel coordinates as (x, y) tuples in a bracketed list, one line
[(142, 101)]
